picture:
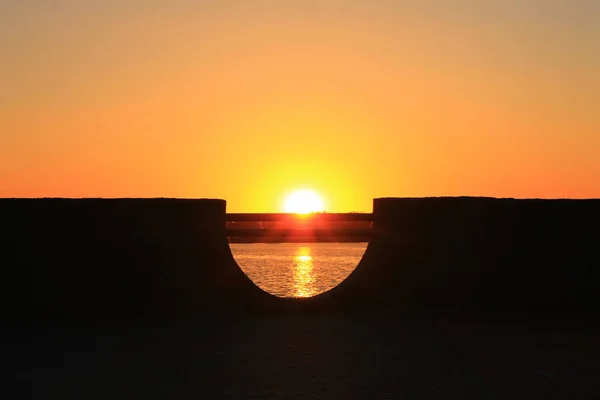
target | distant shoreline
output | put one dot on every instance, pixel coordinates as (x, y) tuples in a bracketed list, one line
[(250, 240)]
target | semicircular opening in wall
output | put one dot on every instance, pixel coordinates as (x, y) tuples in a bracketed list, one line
[(298, 256)]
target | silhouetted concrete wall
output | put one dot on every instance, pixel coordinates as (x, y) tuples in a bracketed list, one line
[(478, 255), (96, 259), (91, 259)]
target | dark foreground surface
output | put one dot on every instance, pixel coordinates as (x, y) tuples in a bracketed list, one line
[(92, 269), (305, 357)]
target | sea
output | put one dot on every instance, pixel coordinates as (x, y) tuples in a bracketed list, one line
[(297, 269)]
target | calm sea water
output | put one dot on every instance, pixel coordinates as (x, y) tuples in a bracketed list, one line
[(297, 269)]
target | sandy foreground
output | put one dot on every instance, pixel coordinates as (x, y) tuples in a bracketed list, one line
[(305, 357)]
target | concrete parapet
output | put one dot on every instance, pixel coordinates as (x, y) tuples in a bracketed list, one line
[(118, 258), (480, 255), (93, 259)]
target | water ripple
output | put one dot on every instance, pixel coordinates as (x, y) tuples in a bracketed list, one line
[(297, 269)]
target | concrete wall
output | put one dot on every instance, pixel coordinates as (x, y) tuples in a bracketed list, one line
[(478, 255), (91, 259), (95, 259)]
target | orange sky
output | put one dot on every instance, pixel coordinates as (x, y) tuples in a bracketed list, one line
[(248, 100)]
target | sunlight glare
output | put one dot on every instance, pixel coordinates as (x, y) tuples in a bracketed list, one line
[(304, 202), (304, 279)]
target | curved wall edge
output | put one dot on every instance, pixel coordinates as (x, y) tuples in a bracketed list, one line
[(481, 255), (90, 259)]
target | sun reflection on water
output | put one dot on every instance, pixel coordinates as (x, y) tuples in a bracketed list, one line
[(304, 279)]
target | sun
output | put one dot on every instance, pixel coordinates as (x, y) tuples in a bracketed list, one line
[(303, 202)]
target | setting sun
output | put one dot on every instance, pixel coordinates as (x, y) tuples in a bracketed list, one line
[(303, 202)]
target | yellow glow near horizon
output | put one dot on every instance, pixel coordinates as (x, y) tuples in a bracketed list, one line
[(303, 202)]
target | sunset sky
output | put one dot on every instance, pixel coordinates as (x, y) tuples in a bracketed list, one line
[(248, 100)]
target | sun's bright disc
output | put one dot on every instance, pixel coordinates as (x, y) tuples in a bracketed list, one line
[(303, 202)]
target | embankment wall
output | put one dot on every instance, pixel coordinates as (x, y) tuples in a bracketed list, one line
[(481, 255), (118, 258), (94, 259)]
